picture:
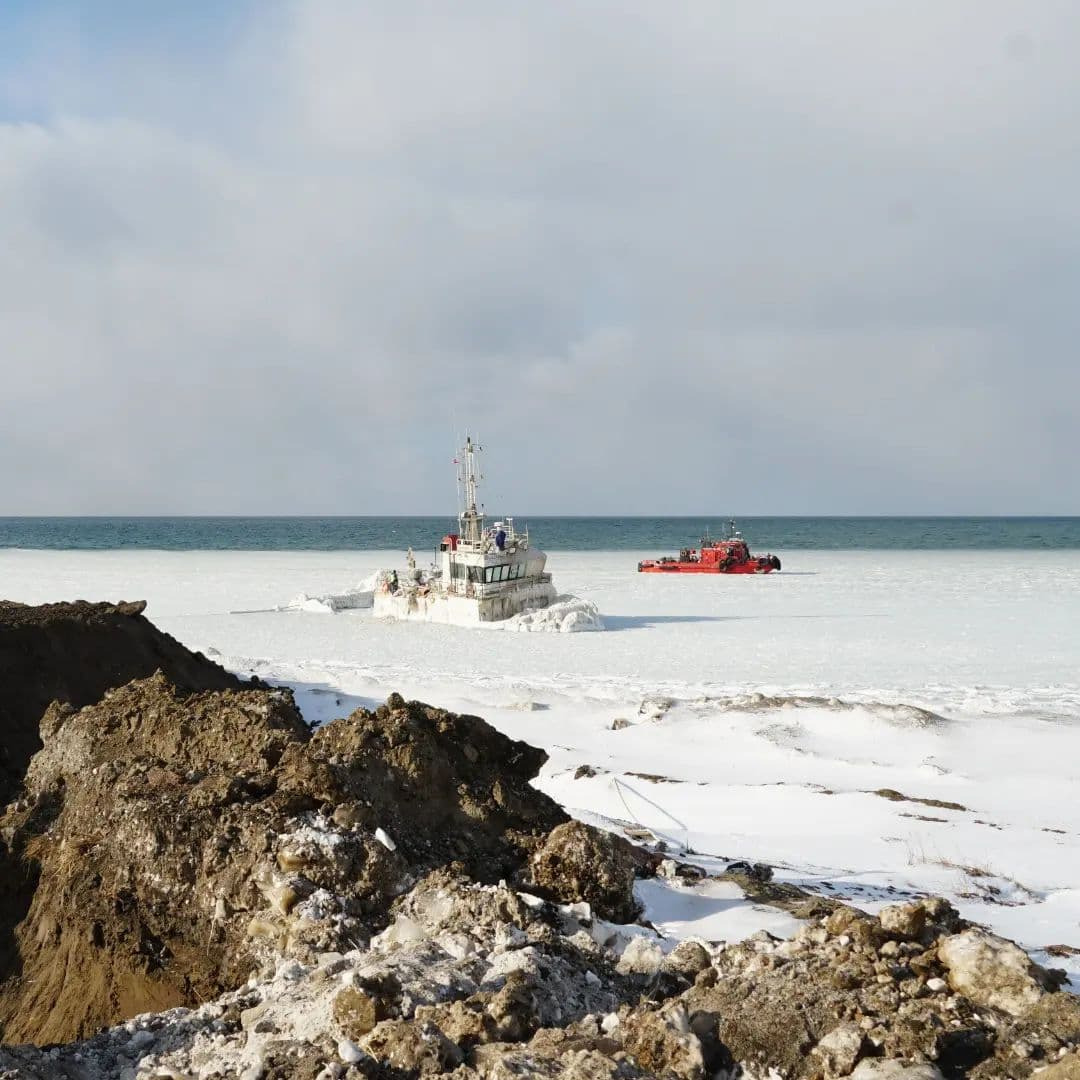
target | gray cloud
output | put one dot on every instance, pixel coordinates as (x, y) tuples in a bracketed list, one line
[(752, 257)]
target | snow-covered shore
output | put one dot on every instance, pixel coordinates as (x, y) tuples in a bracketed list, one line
[(875, 725)]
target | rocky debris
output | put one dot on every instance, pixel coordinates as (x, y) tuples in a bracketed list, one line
[(485, 982), (579, 862), (850, 989), (479, 979), (755, 880), (991, 971), (166, 843), (74, 652)]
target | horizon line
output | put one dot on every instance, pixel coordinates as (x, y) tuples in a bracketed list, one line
[(564, 517)]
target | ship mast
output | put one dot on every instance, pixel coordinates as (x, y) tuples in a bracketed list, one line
[(470, 518)]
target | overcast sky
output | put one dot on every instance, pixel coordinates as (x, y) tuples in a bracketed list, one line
[(727, 256)]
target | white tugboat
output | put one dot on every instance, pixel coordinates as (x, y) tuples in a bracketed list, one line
[(484, 572)]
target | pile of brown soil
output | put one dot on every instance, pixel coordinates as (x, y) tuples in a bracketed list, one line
[(75, 652), (166, 842)]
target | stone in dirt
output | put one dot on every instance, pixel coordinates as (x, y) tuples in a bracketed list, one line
[(579, 862), (992, 971)]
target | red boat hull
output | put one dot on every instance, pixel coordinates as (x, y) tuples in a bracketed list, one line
[(727, 556), (754, 566)]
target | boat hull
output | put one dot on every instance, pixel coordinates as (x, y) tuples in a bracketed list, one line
[(455, 610), (752, 567)]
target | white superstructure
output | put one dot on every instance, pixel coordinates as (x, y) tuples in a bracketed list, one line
[(482, 572)]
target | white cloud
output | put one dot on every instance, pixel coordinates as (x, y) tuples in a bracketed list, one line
[(638, 245)]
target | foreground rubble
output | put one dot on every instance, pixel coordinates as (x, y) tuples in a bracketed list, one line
[(484, 982)]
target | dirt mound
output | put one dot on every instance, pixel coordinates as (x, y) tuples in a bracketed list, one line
[(75, 652), (165, 843)]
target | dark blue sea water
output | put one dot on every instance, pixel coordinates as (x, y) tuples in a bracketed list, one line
[(552, 533)]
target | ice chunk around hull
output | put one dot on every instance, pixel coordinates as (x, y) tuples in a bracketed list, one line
[(436, 606)]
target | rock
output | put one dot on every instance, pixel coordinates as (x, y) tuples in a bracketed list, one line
[(843, 920), (687, 959), (663, 1043), (891, 1069), (756, 872), (355, 1013), (421, 1047), (349, 1052), (578, 862), (840, 1049), (903, 921), (991, 971), (641, 957)]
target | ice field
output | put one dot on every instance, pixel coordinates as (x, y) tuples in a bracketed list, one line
[(874, 725)]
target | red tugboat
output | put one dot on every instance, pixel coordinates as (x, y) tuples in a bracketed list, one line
[(730, 555)]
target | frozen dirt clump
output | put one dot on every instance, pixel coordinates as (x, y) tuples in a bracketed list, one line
[(579, 862), (167, 843)]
